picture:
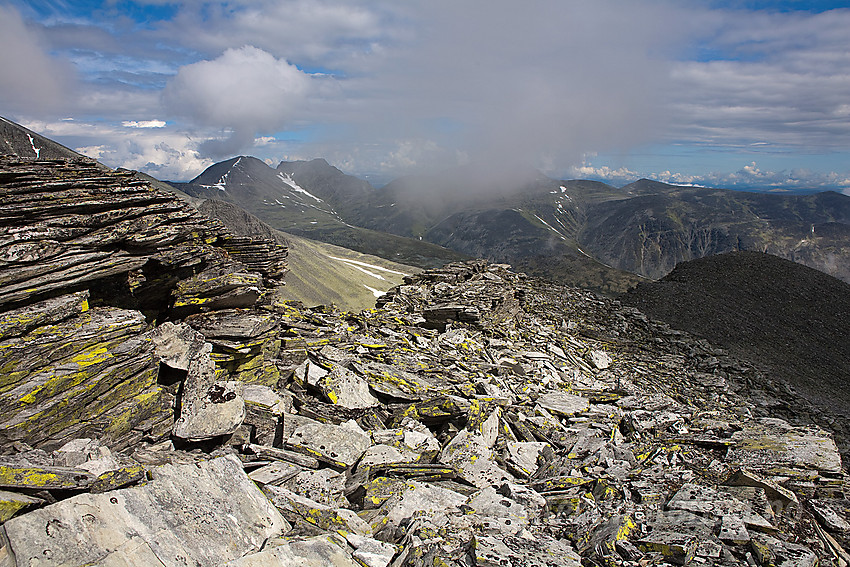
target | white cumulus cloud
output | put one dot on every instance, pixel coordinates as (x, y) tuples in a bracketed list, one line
[(143, 124), (165, 153), (245, 91)]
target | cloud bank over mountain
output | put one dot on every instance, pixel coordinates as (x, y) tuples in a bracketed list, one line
[(652, 87)]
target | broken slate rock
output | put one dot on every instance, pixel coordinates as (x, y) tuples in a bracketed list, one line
[(494, 551), (599, 359), (208, 408), (774, 552), (345, 388), (498, 514), (562, 403), (296, 507), (12, 502), (469, 454), (176, 344), (371, 552), (334, 444), (318, 551), (773, 444), (423, 498), (173, 520)]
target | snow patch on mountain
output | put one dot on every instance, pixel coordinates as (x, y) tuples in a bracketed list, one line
[(372, 266), (36, 150), (286, 178)]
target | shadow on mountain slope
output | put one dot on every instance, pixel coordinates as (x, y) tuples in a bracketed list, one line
[(791, 320)]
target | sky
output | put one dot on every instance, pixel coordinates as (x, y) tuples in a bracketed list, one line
[(721, 93)]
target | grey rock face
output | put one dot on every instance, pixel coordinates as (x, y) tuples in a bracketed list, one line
[(209, 408), (175, 518)]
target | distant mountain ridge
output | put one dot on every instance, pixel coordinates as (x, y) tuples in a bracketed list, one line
[(19, 141), (417, 220), (578, 232), (282, 199)]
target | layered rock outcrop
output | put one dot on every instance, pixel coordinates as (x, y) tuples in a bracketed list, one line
[(476, 417), (90, 261)]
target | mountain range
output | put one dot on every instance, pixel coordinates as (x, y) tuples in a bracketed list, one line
[(577, 232)]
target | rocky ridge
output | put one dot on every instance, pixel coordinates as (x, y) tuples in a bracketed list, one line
[(171, 413), (89, 261)]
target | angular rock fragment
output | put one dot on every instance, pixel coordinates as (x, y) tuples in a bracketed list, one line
[(273, 453), (378, 455), (469, 454), (494, 551), (341, 386), (44, 478), (208, 408), (828, 513), (176, 345), (524, 455), (599, 359), (274, 473), (264, 409), (318, 551), (774, 552), (173, 519), (773, 444), (12, 503), (419, 498), (334, 519), (325, 486), (394, 382), (678, 548), (722, 506), (218, 289), (498, 514), (370, 551), (336, 445)]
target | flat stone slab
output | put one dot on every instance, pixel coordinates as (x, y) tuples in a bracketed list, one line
[(771, 444), (174, 520), (707, 501), (545, 551), (43, 478), (771, 551), (298, 507), (343, 387), (334, 444), (469, 454), (562, 403), (420, 497), (319, 551)]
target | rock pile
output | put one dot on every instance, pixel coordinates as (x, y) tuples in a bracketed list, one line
[(476, 417)]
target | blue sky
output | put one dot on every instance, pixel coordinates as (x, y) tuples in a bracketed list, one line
[(731, 93)]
